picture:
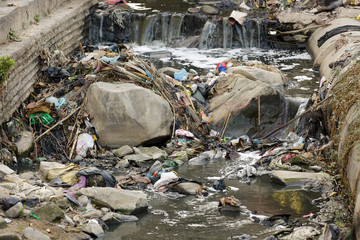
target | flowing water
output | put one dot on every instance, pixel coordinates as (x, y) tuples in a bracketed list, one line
[(187, 217)]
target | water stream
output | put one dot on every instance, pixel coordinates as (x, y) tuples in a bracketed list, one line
[(187, 217)]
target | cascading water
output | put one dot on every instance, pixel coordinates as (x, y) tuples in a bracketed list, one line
[(214, 32)]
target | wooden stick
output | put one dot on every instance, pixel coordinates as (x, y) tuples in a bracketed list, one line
[(57, 124), (75, 140), (301, 30), (297, 117), (259, 117), (226, 123)]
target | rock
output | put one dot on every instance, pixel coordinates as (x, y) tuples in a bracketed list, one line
[(5, 170), (49, 212), (92, 228), (123, 163), (290, 178), (45, 167), (10, 202), (14, 211), (209, 10), (125, 114), (93, 214), (303, 232), (68, 220), (125, 201), (138, 158), (273, 79), (4, 193), (188, 188), (111, 217), (203, 158), (10, 236), (154, 152), (123, 151), (232, 90), (5, 156), (32, 234), (62, 203), (25, 144), (105, 210), (83, 200), (3, 223)]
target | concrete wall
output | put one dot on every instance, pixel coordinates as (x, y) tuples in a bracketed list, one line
[(337, 60), (64, 27)]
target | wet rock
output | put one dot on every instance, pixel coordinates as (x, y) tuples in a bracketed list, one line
[(231, 91), (25, 144), (203, 158), (125, 201), (5, 170), (111, 217), (290, 178), (49, 212), (189, 188), (128, 120), (303, 232), (273, 79), (209, 10), (123, 151), (180, 156), (231, 204), (123, 163), (32, 234), (93, 214), (92, 228), (154, 152), (3, 223), (14, 211)]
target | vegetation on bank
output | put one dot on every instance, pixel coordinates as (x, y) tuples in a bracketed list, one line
[(6, 65)]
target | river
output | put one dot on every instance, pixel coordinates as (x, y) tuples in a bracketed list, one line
[(187, 217)]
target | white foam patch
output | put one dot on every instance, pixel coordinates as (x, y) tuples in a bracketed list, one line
[(138, 6), (302, 78)]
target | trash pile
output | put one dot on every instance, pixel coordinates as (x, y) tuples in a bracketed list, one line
[(55, 130)]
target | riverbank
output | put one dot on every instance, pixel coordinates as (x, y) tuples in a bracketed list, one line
[(57, 130)]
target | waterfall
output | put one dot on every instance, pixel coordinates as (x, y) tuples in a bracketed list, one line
[(101, 27), (227, 33), (206, 34), (149, 28), (165, 26), (176, 21)]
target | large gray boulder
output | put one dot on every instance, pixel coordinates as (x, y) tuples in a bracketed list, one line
[(126, 114), (239, 95), (125, 201), (32, 234)]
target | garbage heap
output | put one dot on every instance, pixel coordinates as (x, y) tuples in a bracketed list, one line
[(98, 112)]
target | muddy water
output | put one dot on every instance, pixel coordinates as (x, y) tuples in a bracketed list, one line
[(171, 216), (189, 217)]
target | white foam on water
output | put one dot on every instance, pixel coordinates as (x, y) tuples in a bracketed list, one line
[(302, 78)]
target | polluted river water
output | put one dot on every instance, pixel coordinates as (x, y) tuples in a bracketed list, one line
[(173, 216)]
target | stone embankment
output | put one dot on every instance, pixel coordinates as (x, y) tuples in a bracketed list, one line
[(27, 29), (335, 50)]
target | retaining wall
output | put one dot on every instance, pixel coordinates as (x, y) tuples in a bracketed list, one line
[(65, 27), (337, 57)]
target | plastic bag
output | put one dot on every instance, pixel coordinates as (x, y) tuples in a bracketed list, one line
[(166, 178), (85, 141)]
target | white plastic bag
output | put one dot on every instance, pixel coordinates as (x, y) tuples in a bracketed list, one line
[(85, 141)]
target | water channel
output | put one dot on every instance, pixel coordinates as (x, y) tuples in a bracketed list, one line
[(187, 217)]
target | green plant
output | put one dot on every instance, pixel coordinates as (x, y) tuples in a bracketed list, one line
[(6, 64), (37, 18), (13, 36)]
